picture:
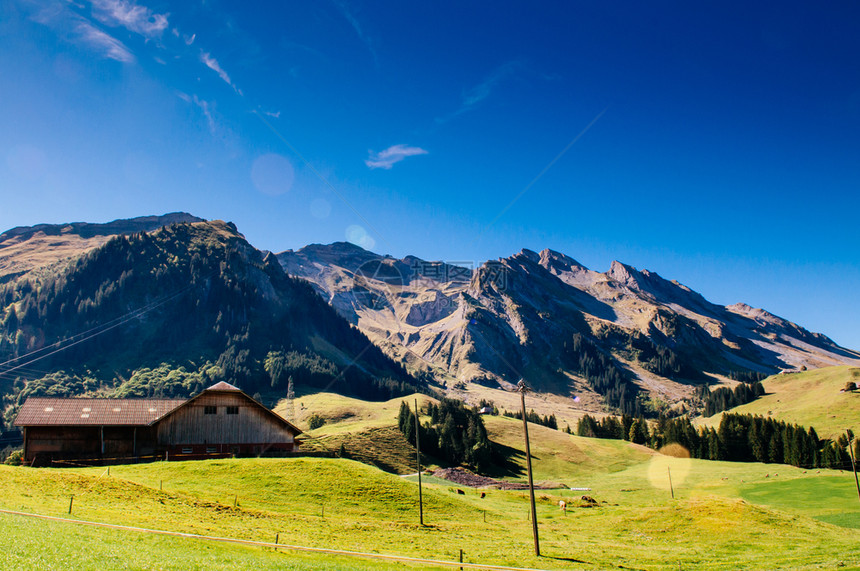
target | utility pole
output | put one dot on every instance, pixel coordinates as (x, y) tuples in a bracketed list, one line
[(853, 464), (418, 455), (523, 389), (291, 400)]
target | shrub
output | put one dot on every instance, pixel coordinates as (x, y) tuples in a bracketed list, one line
[(16, 458), (315, 421)]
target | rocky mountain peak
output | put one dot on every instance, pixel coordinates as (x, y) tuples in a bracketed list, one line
[(529, 255), (552, 260), (624, 274)]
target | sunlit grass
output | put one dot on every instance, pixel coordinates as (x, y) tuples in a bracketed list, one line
[(724, 515), (811, 398), (711, 523)]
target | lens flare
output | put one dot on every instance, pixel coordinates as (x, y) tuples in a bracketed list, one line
[(674, 460), (272, 174)]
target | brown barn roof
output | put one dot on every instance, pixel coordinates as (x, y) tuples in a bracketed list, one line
[(41, 411), (222, 386)]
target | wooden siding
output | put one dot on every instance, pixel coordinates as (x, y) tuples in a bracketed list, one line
[(190, 425), (60, 442)]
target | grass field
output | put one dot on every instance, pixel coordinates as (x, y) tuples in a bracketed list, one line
[(47, 545), (367, 430), (713, 523), (723, 515), (810, 398)]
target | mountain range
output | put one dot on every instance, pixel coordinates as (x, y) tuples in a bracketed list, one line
[(565, 328), (159, 305)]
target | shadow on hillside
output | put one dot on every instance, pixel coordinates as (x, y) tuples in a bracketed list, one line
[(504, 465)]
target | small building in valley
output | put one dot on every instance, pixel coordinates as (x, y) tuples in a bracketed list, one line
[(220, 421)]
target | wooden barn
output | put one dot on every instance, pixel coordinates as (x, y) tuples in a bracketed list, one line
[(220, 421)]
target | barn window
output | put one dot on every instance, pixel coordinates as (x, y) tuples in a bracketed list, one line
[(188, 450), (232, 410), (210, 410), (211, 450)]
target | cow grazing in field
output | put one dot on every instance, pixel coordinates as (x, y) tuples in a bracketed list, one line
[(461, 492), (562, 505)]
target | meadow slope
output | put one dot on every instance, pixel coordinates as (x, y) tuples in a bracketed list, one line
[(715, 515), (809, 398)]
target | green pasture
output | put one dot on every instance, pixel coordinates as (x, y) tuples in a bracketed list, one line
[(35, 544), (723, 515), (810, 398)]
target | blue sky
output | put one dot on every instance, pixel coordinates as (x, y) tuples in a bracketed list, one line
[(714, 143)]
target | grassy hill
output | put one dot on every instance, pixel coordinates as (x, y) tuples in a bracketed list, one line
[(366, 430), (369, 433), (26, 548), (724, 515), (809, 398)]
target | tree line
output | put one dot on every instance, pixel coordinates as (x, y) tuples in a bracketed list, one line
[(724, 398), (739, 438), (531, 416), (455, 433)]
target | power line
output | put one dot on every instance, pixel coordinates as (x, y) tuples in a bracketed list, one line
[(100, 329)]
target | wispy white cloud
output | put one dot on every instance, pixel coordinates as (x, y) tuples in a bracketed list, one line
[(482, 90), (274, 114), (205, 107), (392, 155), (475, 95), (126, 13), (78, 30), (359, 30), (189, 39), (213, 64), (103, 43)]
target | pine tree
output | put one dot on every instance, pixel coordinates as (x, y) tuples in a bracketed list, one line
[(775, 449), (638, 431)]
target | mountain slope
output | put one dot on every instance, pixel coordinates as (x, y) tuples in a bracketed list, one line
[(809, 398), (194, 296), (25, 248), (567, 329)]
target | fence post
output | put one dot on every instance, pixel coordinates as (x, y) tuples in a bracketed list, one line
[(71, 499)]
